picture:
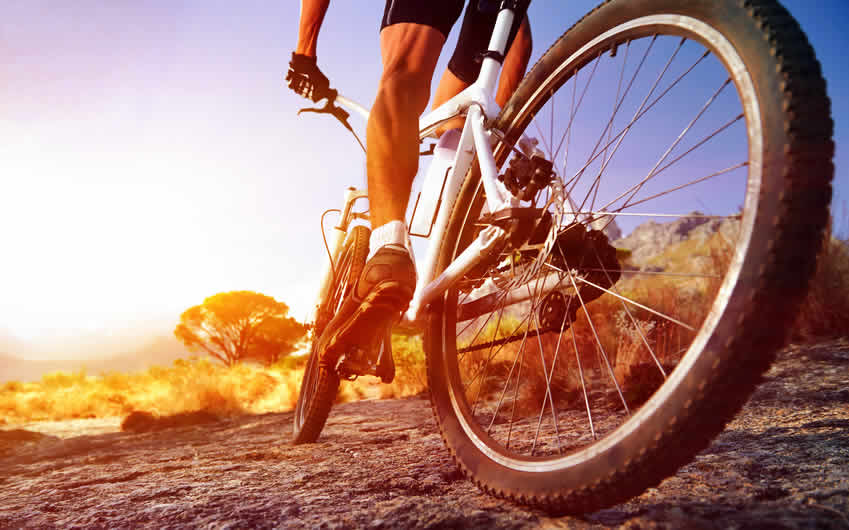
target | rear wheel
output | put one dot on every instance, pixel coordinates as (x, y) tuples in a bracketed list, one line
[(320, 385), (581, 368)]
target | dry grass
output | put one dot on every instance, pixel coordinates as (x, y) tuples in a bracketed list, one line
[(191, 386), (410, 368), (185, 386), (825, 311), (484, 370), (203, 385)]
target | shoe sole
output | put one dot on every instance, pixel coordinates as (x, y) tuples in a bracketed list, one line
[(369, 323)]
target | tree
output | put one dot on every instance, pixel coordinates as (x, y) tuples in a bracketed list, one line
[(240, 325)]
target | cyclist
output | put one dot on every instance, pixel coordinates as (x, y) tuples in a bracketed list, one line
[(411, 38)]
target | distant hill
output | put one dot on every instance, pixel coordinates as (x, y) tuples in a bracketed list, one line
[(159, 350), (651, 240), (12, 346)]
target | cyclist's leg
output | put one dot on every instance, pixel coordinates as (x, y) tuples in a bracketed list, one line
[(463, 69), (410, 52), (386, 285)]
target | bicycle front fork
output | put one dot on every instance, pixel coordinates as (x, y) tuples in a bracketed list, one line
[(340, 232)]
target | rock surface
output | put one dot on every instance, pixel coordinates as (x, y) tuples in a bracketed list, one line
[(652, 238), (783, 463)]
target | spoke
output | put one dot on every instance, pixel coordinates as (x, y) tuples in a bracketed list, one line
[(482, 327), (637, 112), (576, 109), (497, 342), (516, 391), (680, 187), (506, 385), (583, 384), (512, 368), (660, 273), (617, 103), (634, 322), (605, 213), (515, 398), (548, 386), (551, 122), (683, 133), (533, 312), (546, 374), (702, 142), (637, 118), (608, 128), (569, 131), (544, 141), (525, 335), (490, 356), (548, 395), (471, 321), (641, 306), (599, 346)]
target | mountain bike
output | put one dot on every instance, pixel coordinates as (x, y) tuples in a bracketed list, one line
[(565, 370)]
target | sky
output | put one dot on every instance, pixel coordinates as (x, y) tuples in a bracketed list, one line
[(151, 156)]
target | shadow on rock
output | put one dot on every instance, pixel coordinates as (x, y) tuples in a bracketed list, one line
[(138, 421)]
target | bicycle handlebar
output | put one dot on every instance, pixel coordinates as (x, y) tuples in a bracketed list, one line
[(338, 112)]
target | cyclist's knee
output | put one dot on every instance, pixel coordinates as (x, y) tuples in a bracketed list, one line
[(407, 87), (410, 52)]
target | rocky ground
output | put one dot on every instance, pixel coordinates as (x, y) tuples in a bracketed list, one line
[(783, 463)]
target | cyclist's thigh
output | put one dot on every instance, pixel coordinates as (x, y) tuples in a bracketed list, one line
[(475, 33), (439, 14)]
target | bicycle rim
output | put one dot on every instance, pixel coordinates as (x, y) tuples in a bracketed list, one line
[(319, 385), (564, 365)]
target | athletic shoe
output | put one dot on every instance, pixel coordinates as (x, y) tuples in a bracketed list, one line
[(382, 294)]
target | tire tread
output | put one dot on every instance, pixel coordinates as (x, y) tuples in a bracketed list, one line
[(782, 283)]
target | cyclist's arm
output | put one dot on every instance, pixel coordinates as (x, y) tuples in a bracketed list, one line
[(312, 15)]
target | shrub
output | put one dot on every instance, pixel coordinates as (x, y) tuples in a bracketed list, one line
[(825, 310), (410, 366), (12, 386), (58, 380), (187, 386)]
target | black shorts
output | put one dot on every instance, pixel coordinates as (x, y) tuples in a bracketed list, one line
[(442, 14)]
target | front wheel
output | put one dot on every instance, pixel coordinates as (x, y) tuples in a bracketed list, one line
[(583, 367), (320, 385)]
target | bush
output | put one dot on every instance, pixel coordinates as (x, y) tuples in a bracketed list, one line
[(291, 362), (187, 386), (825, 310), (410, 365)]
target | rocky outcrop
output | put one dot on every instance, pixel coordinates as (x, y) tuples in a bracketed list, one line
[(651, 238), (609, 226), (782, 463)]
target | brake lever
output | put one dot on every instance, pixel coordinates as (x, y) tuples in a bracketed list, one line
[(331, 108), (337, 112)]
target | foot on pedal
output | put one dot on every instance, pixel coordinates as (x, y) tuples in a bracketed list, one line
[(382, 294)]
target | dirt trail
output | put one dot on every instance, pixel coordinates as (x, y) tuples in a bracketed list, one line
[(784, 462)]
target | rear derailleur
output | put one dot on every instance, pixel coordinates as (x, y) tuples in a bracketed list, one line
[(579, 253)]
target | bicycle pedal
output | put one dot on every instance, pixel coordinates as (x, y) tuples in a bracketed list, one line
[(385, 362), (356, 363)]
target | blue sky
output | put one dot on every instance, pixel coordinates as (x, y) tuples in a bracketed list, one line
[(150, 155)]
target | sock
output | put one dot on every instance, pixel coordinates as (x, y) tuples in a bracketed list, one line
[(392, 233)]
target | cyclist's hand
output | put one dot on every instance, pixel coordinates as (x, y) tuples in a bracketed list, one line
[(306, 80)]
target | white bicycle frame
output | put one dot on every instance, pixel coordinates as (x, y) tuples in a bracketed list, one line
[(478, 104)]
